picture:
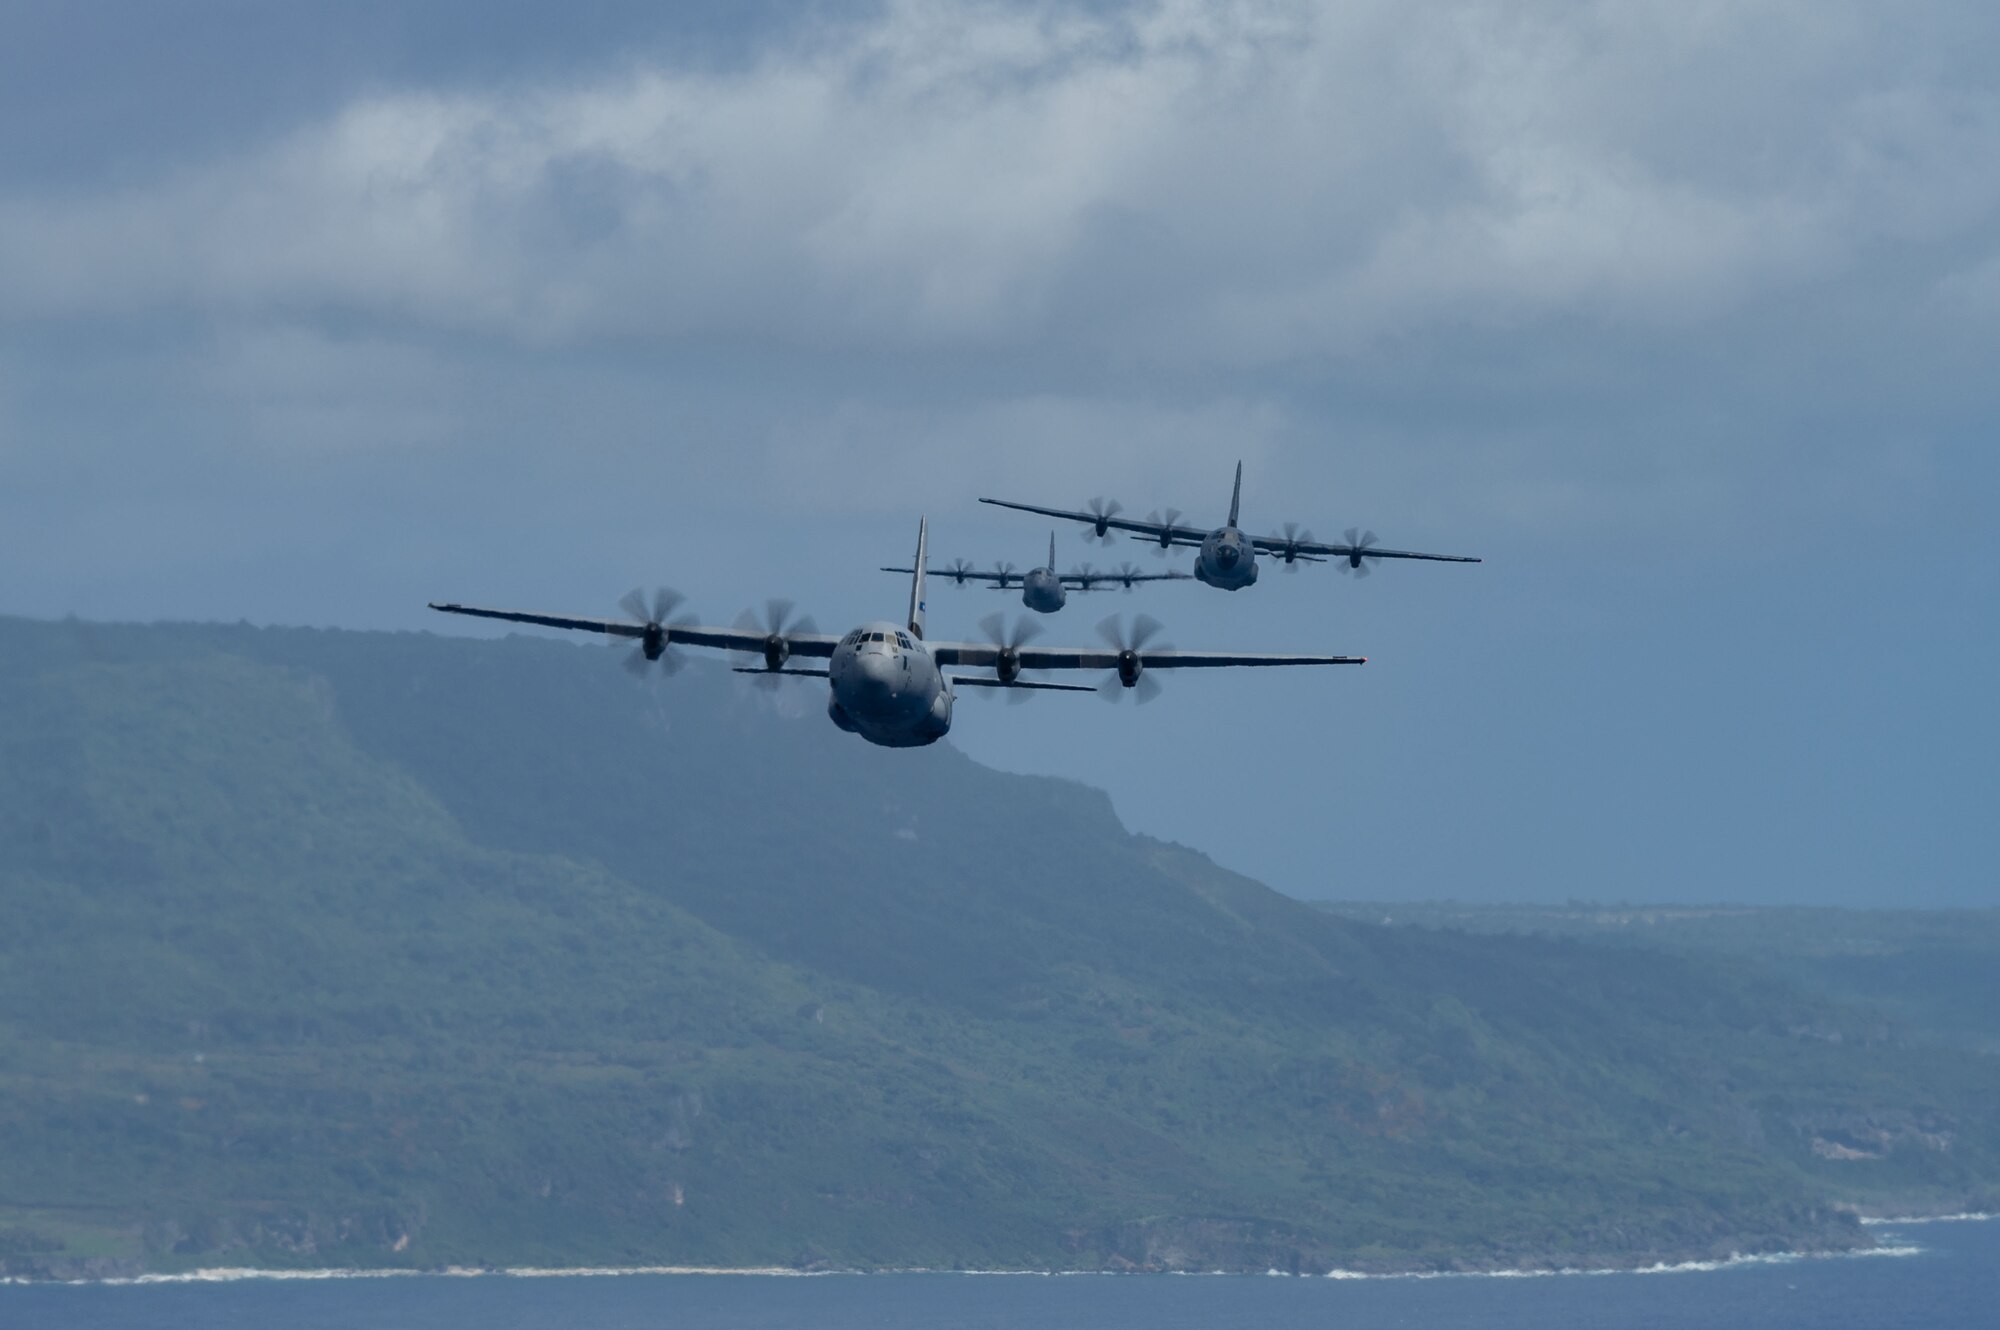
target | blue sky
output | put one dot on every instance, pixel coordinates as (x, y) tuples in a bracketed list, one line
[(1682, 315)]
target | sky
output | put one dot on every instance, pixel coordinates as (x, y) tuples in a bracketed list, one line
[(1682, 316)]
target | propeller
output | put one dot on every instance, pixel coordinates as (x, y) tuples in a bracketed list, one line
[(1171, 517), (1130, 672), (1005, 572), (1101, 512), (1360, 562), (1010, 641), (1127, 571), (959, 569), (656, 643), (1086, 576), (1295, 535), (778, 626)]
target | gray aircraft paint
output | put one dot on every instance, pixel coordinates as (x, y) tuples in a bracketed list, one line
[(887, 688), (886, 683), (1226, 557), (1043, 589)]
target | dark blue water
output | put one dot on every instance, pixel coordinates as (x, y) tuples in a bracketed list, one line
[(1952, 1284)]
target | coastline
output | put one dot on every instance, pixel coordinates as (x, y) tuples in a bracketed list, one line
[(240, 1274)]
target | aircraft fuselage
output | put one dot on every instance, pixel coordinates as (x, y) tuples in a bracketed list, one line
[(886, 688), (1227, 560), (1042, 591)]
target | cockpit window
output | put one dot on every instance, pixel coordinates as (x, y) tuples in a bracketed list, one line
[(902, 640)]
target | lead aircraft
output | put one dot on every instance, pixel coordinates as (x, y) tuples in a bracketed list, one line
[(886, 682), (1226, 558)]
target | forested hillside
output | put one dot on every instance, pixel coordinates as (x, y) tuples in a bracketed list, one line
[(376, 949), (1934, 973)]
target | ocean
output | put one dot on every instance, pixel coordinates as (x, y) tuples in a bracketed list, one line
[(1941, 1275)]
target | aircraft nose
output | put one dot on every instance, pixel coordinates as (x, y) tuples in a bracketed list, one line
[(872, 679), (1226, 555)]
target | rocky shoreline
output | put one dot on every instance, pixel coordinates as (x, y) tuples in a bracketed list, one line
[(118, 1271)]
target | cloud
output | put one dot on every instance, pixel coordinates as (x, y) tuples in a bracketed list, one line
[(1562, 271), (1171, 184)]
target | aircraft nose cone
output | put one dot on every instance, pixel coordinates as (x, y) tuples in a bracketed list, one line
[(1226, 555), (871, 683)]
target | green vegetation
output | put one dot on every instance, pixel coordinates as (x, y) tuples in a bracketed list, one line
[(1934, 973), (340, 948)]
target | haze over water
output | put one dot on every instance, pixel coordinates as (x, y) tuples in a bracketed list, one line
[(1951, 1283)]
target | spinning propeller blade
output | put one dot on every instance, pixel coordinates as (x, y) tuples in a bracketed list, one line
[(1130, 673), (1295, 535), (1103, 510), (655, 644), (1010, 641), (1360, 562), (778, 626)]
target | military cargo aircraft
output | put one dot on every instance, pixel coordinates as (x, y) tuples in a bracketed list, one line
[(1226, 557), (887, 683), (1044, 590)]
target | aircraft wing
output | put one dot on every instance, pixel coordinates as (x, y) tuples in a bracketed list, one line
[(1091, 581), (1278, 545), (1160, 533), (1104, 658), (693, 635), (1101, 658), (998, 578), (978, 681)]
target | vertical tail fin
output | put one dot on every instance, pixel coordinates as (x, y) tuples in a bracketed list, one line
[(1236, 495), (1052, 551), (917, 579)]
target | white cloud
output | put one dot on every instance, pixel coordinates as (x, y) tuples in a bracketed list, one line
[(1181, 182)]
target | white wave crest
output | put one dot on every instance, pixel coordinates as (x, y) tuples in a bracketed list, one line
[(234, 1274), (1731, 1261)]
